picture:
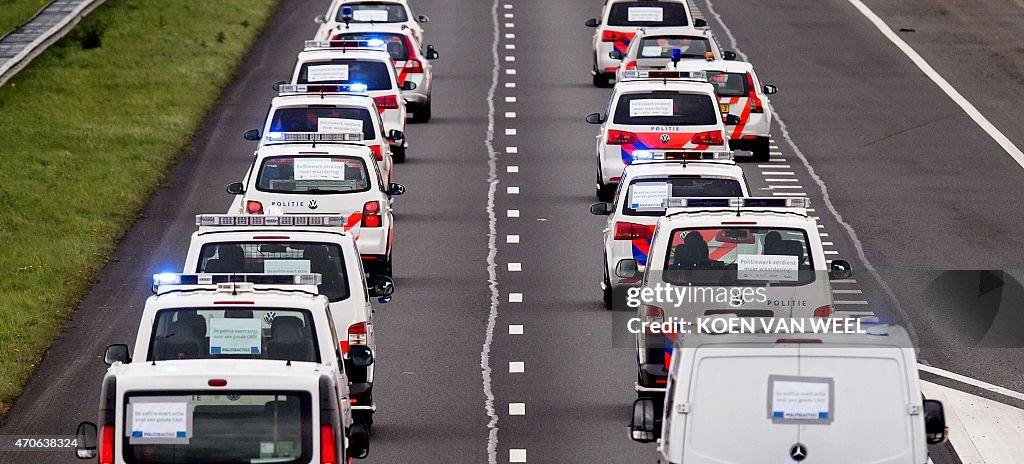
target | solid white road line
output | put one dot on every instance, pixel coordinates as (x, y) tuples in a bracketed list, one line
[(969, 381), (981, 430), (492, 249), (946, 87)]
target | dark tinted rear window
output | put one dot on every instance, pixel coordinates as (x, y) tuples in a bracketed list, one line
[(375, 12), (687, 109), (729, 84), (639, 14), (395, 43), (276, 256), (372, 73), (308, 119)]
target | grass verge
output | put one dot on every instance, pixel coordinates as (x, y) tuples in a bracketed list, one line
[(15, 12), (89, 129)]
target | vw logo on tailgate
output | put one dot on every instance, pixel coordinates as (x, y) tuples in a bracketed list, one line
[(665, 138)]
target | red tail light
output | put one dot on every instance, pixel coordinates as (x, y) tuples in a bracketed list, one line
[(617, 137), (631, 231), (328, 445), (755, 103), (107, 444), (357, 334), (254, 207), (824, 311), (377, 155), (630, 65), (217, 382), (612, 36), (653, 312), (371, 214), (386, 102), (413, 66), (708, 138)]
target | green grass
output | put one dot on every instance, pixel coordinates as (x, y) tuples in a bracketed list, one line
[(15, 12), (87, 135)]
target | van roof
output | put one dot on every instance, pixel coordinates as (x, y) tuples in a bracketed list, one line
[(878, 336)]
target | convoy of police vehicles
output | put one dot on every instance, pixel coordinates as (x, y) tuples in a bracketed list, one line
[(262, 348)]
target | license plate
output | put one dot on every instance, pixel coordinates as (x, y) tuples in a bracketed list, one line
[(724, 107)]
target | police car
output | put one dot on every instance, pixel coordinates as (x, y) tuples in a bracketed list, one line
[(366, 67), (325, 177), (655, 48), (740, 93), (835, 398), (411, 60), (750, 257), (300, 243), (354, 15), (214, 360), (670, 111), (327, 108), (643, 196), (619, 22)]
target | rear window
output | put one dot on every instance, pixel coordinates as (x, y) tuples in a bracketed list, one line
[(178, 427), (313, 174), (324, 119), (649, 196), (375, 12), (739, 255), (373, 74), (395, 43), (729, 84), (666, 109), (639, 14), (234, 333), (256, 257), (661, 47)]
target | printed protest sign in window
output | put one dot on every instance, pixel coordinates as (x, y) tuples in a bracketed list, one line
[(645, 14), (327, 72), (319, 169), (767, 267), (800, 400), (649, 195), (378, 16), (650, 51), (339, 126), (650, 107), (286, 266), (159, 420), (235, 336)]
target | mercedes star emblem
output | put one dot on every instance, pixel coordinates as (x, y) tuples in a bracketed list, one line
[(798, 452)]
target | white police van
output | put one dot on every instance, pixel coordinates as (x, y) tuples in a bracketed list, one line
[(814, 398)]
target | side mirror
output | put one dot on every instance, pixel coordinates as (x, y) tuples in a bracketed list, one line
[(731, 119), (236, 188), (251, 134), (700, 23), (117, 354), (770, 89), (644, 426), (840, 269), (361, 355), (395, 189), (593, 22), (408, 85), (85, 440), (615, 55), (595, 118), (729, 56), (432, 53), (381, 286), (934, 422), (423, 19), (601, 209), (358, 441), (396, 135), (627, 269), (277, 85), (322, 19)]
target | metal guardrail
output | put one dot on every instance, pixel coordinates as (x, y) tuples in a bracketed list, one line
[(19, 47)]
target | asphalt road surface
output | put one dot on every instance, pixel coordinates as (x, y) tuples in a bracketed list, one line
[(496, 344)]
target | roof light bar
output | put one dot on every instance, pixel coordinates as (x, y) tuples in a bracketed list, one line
[(687, 75), (303, 220), (650, 155), (315, 136), (296, 89), (217, 279), (752, 202), (373, 44)]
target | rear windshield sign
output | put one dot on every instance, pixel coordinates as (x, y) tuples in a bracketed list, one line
[(767, 267), (319, 169), (649, 196), (377, 16), (235, 336), (645, 14), (800, 400), (650, 107), (339, 125), (286, 266), (330, 72), (160, 420)]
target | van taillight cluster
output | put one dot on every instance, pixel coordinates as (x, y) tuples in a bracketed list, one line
[(371, 214), (631, 231), (755, 102), (617, 137), (254, 207), (386, 102), (714, 137)]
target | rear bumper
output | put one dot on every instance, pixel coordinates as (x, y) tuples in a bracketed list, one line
[(362, 395), (374, 264)]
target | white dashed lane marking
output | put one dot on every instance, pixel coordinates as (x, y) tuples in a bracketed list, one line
[(516, 455), (515, 267), (513, 213), (515, 329), (516, 367), (511, 150), (512, 190), (517, 409), (511, 238), (515, 297)]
